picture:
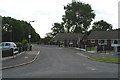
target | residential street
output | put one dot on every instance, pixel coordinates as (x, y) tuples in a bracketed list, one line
[(57, 62)]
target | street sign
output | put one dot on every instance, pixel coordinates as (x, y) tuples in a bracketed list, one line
[(29, 36)]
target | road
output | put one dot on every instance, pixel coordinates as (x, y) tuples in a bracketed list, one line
[(56, 62)]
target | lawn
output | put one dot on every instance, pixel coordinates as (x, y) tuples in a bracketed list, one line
[(90, 49), (107, 59)]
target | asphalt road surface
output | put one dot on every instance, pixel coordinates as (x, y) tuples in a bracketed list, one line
[(56, 62)]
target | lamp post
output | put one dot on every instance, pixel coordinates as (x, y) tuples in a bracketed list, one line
[(29, 36)]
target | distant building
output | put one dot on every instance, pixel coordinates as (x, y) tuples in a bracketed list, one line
[(71, 39), (108, 38)]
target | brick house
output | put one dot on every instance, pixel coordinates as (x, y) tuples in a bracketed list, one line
[(71, 39), (107, 38)]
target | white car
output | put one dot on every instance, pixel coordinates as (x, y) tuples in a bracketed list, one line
[(8, 46)]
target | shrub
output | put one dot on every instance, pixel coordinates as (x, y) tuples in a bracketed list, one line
[(24, 42), (51, 42), (18, 44)]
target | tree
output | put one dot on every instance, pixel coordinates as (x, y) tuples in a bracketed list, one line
[(57, 28), (78, 17), (101, 26), (47, 38), (16, 30)]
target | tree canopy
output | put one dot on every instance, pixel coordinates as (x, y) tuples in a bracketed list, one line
[(78, 17), (101, 26), (16, 30), (57, 28)]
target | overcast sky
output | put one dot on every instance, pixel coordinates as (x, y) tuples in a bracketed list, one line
[(47, 12)]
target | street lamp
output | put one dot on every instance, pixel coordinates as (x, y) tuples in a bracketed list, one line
[(29, 36)]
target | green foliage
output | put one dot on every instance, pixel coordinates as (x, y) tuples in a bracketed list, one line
[(47, 39), (16, 30), (24, 42), (18, 43), (51, 42), (78, 17), (90, 49), (57, 28), (101, 26), (107, 59)]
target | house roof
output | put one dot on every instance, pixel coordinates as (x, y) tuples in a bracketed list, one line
[(104, 35), (68, 36)]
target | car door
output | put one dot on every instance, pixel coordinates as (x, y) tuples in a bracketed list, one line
[(6, 46)]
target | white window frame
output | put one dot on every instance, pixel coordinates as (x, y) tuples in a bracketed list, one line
[(118, 41), (92, 40), (113, 41), (104, 43)]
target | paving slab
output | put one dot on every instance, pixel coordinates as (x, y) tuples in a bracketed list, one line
[(23, 58)]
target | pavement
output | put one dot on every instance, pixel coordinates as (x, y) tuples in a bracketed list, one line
[(21, 59), (95, 54), (89, 54)]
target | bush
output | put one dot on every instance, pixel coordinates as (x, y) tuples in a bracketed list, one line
[(51, 42), (90, 49), (19, 44), (24, 42)]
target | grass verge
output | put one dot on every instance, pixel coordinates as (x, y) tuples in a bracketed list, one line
[(107, 59), (90, 49)]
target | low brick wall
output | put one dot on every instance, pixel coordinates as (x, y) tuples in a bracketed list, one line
[(7, 53)]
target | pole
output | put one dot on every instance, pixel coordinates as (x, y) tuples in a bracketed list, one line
[(29, 36)]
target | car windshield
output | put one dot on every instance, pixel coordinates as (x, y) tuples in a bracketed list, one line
[(1, 44)]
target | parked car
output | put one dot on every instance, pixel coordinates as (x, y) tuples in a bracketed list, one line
[(8, 46)]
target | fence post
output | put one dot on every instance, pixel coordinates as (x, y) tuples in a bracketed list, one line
[(95, 48), (85, 47)]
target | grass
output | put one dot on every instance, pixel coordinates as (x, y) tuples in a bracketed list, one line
[(90, 49), (107, 59)]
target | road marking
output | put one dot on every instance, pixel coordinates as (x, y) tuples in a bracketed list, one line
[(88, 67), (21, 63), (26, 57), (82, 55), (91, 68)]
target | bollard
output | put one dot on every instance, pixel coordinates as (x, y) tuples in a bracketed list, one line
[(30, 48)]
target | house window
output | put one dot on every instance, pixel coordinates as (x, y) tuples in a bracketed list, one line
[(112, 41), (119, 41), (102, 41), (92, 41), (115, 41), (105, 42)]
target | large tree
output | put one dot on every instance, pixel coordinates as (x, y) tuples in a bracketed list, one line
[(16, 30), (57, 28), (78, 17), (101, 26)]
